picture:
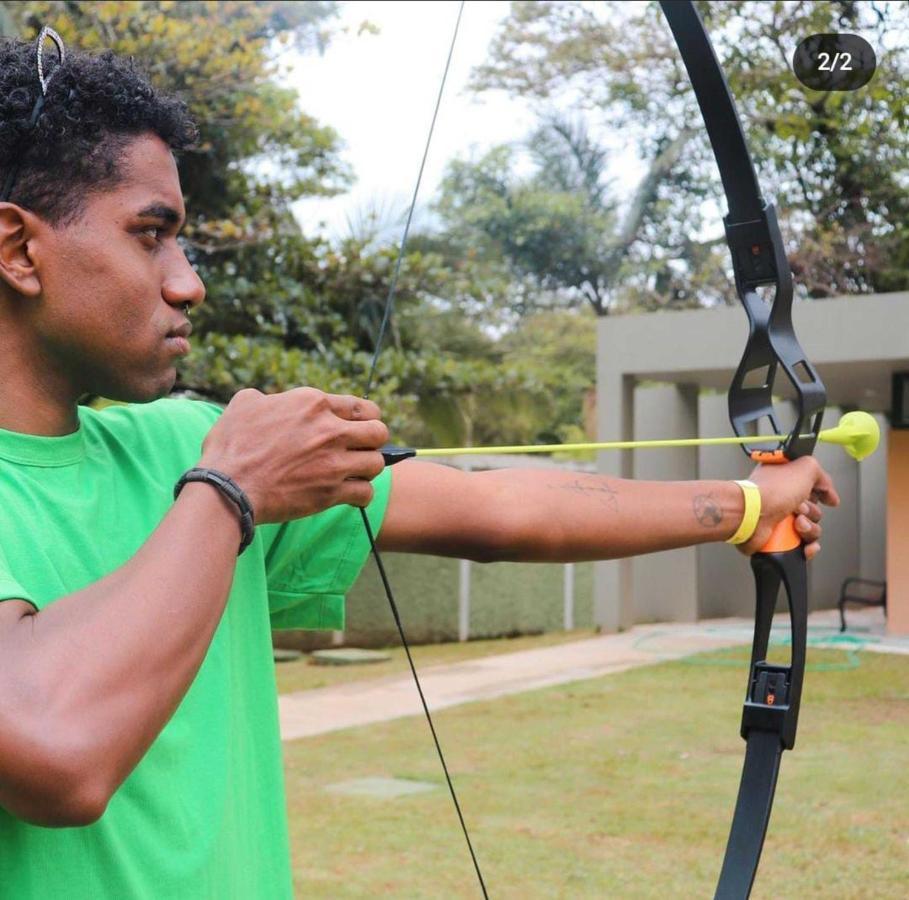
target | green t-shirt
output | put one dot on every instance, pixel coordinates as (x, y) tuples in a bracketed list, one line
[(203, 815)]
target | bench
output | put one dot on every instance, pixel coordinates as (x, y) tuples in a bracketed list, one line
[(864, 592)]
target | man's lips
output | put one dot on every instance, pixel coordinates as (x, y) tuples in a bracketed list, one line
[(184, 330), (176, 339), (178, 344)]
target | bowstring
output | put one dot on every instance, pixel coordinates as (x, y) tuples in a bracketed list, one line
[(380, 336), (389, 300)]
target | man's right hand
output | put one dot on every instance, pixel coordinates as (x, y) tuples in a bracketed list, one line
[(799, 488), (298, 452)]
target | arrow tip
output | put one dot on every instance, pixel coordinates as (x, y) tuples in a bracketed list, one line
[(857, 432)]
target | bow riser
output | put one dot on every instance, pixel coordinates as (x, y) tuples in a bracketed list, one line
[(759, 259)]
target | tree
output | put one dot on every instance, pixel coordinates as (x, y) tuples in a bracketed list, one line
[(838, 162)]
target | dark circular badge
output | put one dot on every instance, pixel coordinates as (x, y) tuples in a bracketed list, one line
[(834, 62)]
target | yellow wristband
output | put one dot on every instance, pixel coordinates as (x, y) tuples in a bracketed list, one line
[(752, 513)]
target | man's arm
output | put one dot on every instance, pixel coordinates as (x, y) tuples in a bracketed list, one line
[(87, 683), (534, 515)]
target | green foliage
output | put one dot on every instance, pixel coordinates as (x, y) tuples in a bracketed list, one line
[(552, 227), (560, 346)]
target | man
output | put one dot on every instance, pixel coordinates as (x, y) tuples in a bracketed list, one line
[(139, 745)]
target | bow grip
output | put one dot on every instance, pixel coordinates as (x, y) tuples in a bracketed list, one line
[(783, 538)]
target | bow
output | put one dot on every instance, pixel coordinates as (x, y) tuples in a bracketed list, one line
[(771, 706)]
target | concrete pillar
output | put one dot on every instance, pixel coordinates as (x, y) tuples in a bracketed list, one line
[(568, 597), (724, 575), (664, 586), (463, 599), (613, 602), (839, 557)]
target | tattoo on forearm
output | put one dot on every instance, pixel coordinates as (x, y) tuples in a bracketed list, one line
[(596, 488), (707, 511)]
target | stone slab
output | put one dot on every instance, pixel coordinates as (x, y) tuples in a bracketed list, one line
[(382, 788), (348, 656)]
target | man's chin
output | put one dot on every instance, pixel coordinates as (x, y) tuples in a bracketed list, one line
[(147, 392)]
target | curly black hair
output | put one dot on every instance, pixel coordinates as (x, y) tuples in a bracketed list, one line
[(95, 106)]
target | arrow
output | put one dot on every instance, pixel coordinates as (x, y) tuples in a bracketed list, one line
[(857, 433)]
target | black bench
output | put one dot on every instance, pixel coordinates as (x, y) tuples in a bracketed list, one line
[(864, 592)]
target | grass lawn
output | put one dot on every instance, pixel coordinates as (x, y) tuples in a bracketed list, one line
[(616, 787)]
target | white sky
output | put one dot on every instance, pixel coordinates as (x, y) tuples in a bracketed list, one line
[(378, 92)]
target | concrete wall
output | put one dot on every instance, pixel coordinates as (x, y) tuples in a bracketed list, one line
[(872, 510), (897, 529), (714, 580), (839, 558)]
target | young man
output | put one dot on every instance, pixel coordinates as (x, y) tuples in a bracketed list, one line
[(139, 745)]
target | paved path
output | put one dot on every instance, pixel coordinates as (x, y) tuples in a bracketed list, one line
[(319, 711)]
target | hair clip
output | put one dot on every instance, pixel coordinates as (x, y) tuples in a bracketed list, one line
[(48, 32)]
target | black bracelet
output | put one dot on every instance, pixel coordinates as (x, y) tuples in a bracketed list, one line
[(231, 490)]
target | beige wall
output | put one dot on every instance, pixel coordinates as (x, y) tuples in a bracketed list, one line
[(897, 531)]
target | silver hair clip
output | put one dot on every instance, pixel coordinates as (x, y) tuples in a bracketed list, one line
[(48, 32)]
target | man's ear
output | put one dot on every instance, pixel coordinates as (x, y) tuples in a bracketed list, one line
[(19, 230)]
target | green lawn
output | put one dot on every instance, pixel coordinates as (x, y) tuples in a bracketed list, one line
[(617, 787)]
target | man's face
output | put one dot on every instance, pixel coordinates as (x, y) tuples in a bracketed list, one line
[(114, 283)]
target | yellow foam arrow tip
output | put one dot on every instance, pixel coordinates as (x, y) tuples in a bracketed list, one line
[(857, 433)]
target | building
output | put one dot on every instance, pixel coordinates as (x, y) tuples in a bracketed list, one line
[(666, 375)]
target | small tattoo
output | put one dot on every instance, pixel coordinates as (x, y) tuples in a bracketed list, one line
[(706, 511), (598, 489)]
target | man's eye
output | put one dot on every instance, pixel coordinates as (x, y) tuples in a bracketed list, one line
[(153, 231)]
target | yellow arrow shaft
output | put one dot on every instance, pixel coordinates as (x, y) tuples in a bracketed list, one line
[(605, 445), (857, 432)]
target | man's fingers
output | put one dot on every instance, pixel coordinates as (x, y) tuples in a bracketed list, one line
[(364, 464), (808, 531), (824, 491), (356, 409), (356, 492), (369, 435)]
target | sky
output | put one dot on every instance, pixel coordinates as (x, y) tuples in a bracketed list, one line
[(379, 91)]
